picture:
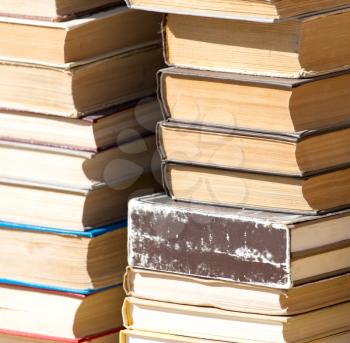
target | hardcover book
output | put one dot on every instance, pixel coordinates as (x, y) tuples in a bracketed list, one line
[(314, 194), (231, 296), (303, 154), (294, 48), (256, 103), (63, 260), (54, 10), (136, 336), (198, 322), (23, 337), (114, 126), (80, 88), (54, 315), (253, 10), (268, 249), (56, 206), (78, 169), (49, 42)]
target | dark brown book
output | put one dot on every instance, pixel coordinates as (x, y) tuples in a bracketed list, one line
[(257, 103), (252, 247), (301, 154), (293, 48), (253, 10)]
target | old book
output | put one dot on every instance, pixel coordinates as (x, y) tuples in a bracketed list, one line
[(312, 194), (136, 336), (295, 48), (198, 322), (54, 10), (80, 89), (48, 42), (254, 102), (26, 202), (227, 295), (24, 337), (247, 150), (63, 260), (77, 169), (258, 248), (59, 314), (255, 10), (114, 126)]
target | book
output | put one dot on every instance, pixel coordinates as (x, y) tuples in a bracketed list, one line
[(260, 248), (256, 10), (235, 149), (79, 89), (77, 169), (54, 10), (120, 124), (56, 206), (23, 337), (257, 103), (294, 48), (318, 193), (58, 314), (63, 260), (37, 41), (133, 336), (198, 322), (227, 295)]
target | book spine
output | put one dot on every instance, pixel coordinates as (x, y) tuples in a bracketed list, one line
[(161, 96), (126, 313), (164, 40), (179, 240)]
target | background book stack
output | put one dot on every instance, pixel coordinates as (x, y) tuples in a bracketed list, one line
[(77, 141), (251, 242)]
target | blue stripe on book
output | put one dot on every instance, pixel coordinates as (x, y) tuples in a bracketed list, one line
[(93, 232), (38, 286)]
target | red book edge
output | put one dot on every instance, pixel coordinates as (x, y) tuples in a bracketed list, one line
[(58, 339)]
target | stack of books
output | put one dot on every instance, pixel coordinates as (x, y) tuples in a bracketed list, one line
[(77, 118), (251, 242)]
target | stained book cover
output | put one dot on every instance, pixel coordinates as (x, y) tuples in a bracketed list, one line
[(245, 246)]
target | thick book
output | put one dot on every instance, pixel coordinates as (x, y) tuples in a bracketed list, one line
[(56, 206), (324, 192), (77, 169), (253, 10), (80, 88), (8, 336), (45, 41), (303, 154), (54, 10), (53, 314), (295, 48), (227, 295), (136, 336), (253, 247), (113, 126), (63, 260), (257, 103), (198, 322)]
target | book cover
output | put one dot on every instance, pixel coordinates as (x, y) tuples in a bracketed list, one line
[(231, 244)]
